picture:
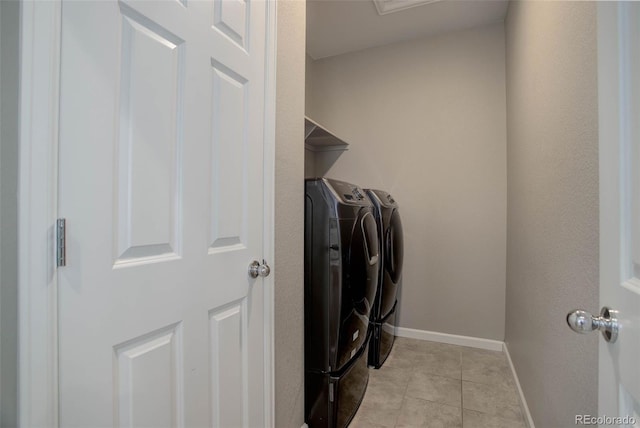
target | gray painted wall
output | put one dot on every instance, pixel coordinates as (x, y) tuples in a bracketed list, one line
[(426, 121), (289, 216), (9, 33), (552, 249), (309, 157)]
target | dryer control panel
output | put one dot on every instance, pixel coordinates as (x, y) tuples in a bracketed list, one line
[(383, 198)]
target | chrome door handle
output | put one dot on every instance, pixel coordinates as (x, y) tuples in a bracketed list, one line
[(256, 269), (583, 322)]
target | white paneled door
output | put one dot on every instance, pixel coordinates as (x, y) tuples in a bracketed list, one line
[(619, 129), (161, 183)]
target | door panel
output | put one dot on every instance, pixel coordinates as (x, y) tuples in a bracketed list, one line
[(619, 134), (231, 18), (228, 364), (161, 182), (148, 199), (228, 208), (148, 373)]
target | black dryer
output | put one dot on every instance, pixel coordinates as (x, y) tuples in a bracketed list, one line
[(383, 315)]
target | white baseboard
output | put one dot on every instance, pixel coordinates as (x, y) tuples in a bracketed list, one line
[(452, 339), (304, 426), (523, 402)]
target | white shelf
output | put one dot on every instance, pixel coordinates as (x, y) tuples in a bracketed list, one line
[(318, 139)]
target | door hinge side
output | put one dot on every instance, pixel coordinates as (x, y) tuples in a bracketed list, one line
[(61, 242)]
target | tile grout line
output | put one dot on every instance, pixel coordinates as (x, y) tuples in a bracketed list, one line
[(440, 375), (404, 397), (461, 394)]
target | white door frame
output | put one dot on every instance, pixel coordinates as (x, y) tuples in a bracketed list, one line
[(40, 30)]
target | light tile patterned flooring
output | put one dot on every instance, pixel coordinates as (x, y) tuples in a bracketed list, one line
[(429, 384)]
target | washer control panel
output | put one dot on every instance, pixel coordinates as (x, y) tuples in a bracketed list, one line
[(355, 195), (348, 192)]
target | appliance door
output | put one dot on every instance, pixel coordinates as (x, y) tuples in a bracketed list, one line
[(393, 259), (360, 279)]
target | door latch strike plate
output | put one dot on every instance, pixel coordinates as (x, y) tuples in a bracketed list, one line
[(61, 242)]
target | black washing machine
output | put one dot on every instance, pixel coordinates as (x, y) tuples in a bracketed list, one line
[(383, 315), (341, 277)]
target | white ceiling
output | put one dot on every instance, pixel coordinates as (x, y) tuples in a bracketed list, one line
[(336, 27)]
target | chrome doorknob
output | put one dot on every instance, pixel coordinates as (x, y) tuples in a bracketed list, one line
[(583, 322), (256, 269)]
